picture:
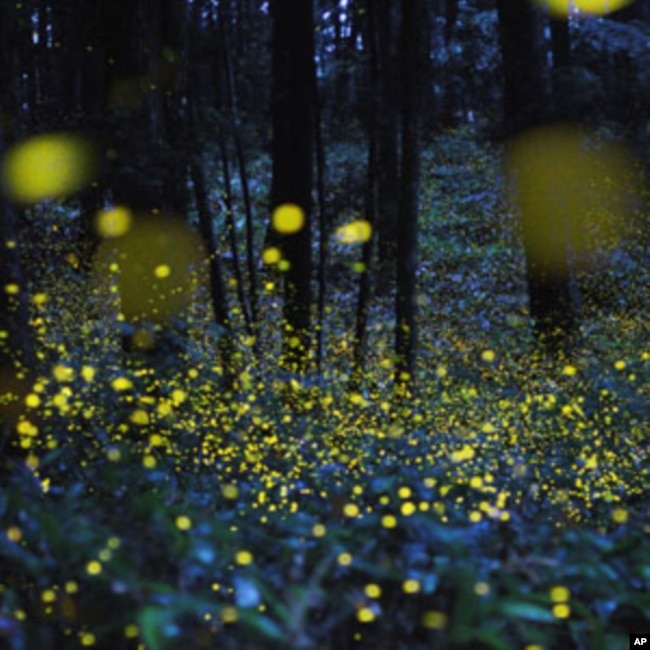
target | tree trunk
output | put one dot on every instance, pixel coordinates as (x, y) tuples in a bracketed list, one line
[(549, 288), (405, 311), (363, 296), (387, 149), (292, 118), (17, 357)]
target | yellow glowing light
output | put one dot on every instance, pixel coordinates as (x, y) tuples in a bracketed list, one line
[(154, 248), (434, 620), (114, 222), (559, 594), (344, 559), (404, 492), (63, 373), (365, 615), (271, 255), (39, 299), (488, 356), (183, 522), (140, 417), (407, 508), (563, 8), (466, 453), (351, 510), (162, 271), (620, 516), (244, 558), (32, 400), (481, 588), (12, 289), (47, 166), (389, 521), (149, 462), (318, 530), (411, 586), (288, 218), (14, 534), (88, 373), (93, 568), (372, 590), (230, 492), (561, 610), (121, 384), (355, 232), (567, 193), (229, 614)]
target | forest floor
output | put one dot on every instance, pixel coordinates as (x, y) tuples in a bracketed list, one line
[(504, 506)]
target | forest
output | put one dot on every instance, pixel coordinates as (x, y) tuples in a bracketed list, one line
[(324, 324)]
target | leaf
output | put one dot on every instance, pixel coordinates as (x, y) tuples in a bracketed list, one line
[(263, 625), (526, 611), (152, 622)]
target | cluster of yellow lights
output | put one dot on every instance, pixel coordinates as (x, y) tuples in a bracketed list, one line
[(118, 223)]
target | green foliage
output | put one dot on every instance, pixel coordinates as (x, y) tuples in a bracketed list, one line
[(503, 506)]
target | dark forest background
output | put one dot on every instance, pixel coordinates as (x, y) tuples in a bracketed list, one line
[(323, 275)]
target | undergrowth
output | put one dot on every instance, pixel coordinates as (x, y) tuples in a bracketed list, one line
[(503, 506)]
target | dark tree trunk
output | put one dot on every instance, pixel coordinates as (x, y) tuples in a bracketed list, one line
[(387, 111), (363, 298), (451, 16), (560, 42), (235, 129), (17, 357), (405, 311), (561, 50), (523, 88), (218, 294), (292, 118), (549, 288)]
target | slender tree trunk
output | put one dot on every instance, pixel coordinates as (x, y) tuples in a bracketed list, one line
[(292, 118), (387, 111), (322, 228), (17, 355), (218, 294), (231, 93), (405, 310), (549, 288), (561, 50), (363, 298)]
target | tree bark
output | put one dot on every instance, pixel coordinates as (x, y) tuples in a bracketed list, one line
[(525, 104), (292, 118), (405, 304), (17, 356), (387, 111)]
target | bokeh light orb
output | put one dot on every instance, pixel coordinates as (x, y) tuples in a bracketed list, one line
[(47, 166), (564, 8), (151, 266)]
